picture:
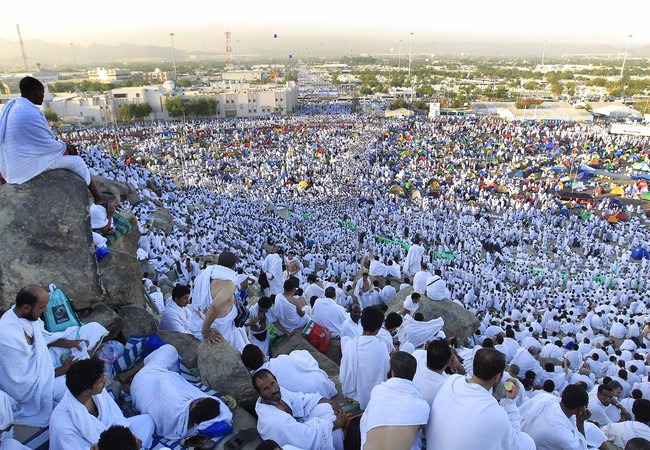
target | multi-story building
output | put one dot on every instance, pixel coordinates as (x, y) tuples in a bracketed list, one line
[(109, 75)]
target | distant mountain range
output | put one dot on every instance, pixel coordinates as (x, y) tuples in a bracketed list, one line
[(51, 55)]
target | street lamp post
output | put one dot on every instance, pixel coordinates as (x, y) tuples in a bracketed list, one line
[(174, 58), (627, 46)]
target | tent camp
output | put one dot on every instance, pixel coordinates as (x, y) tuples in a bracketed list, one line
[(578, 197), (640, 253)]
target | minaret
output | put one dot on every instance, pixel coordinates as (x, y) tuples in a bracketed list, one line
[(229, 59)]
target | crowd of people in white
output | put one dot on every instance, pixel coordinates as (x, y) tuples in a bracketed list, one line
[(300, 210)]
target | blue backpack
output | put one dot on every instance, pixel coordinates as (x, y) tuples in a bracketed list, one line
[(59, 315)]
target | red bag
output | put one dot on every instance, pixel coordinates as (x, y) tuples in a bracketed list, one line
[(317, 335)]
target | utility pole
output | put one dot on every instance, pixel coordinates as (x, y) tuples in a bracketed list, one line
[(174, 58), (629, 37), (22, 47)]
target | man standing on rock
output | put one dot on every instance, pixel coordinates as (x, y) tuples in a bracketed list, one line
[(213, 304), (272, 267), (28, 146)]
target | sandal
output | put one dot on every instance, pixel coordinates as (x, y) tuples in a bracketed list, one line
[(242, 438)]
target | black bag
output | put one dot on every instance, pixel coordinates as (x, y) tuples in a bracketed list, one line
[(242, 315), (263, 281)]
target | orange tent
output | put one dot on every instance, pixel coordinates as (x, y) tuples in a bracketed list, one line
[(612, 219), (621, 215)]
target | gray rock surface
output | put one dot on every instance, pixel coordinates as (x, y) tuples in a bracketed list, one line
[(186, 345), (221, 369), (45, 238), (459, 322), (163, 220), (137, 321), (106, 317), (122, 279)]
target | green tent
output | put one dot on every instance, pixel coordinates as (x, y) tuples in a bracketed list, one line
[(646, 196)]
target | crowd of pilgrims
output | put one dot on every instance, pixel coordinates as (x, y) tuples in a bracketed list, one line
[(546, 281)]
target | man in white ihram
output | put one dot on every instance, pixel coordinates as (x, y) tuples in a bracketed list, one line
[(272, 266), (461, 401), (413, 258), (31, 371), (396, 409), (213, 304), (303, 420), (548, 420), (185, 410)]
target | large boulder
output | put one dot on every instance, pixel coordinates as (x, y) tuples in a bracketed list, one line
[(106, 317), (459, 322), (122, 279), (186, 345), (119, 190), (45, 238), (137, 321), (222, 369), (298, 342), (163, 220)]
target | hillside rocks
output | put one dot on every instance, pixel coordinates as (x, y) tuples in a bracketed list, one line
[(45, 238), (298, 342), (459, 322), (186, 345), (137, 321), (222, 369)]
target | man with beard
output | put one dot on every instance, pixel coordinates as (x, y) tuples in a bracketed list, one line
[(31, 369), (296, 418)]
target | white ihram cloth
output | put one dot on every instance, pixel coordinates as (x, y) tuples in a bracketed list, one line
[(201, 301), (175, 318), (72, 427), (299, 371), (460, 403), (7, 442), (418, 333), (395, 402), (413, 260), (309, 426), (621, 432), (287, 315), (26, 371), (365, 364), (426, 379), (543, 419), (160, 379), (272, 265), (330, 315), (28, 146)]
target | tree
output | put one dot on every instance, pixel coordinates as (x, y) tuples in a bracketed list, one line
[(175, 106), (51, 116), (183, 82), (135, 111), (203, 106), (557, 89)]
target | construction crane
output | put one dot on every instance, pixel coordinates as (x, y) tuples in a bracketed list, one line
[(22, 47)]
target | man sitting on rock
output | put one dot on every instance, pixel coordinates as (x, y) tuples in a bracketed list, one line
[(87, 409), (296, 418), (186, 410), (297, 371), (34, 360), (28, 146), (213, 305)]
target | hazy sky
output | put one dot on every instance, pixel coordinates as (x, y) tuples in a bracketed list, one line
[(199, 25)]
